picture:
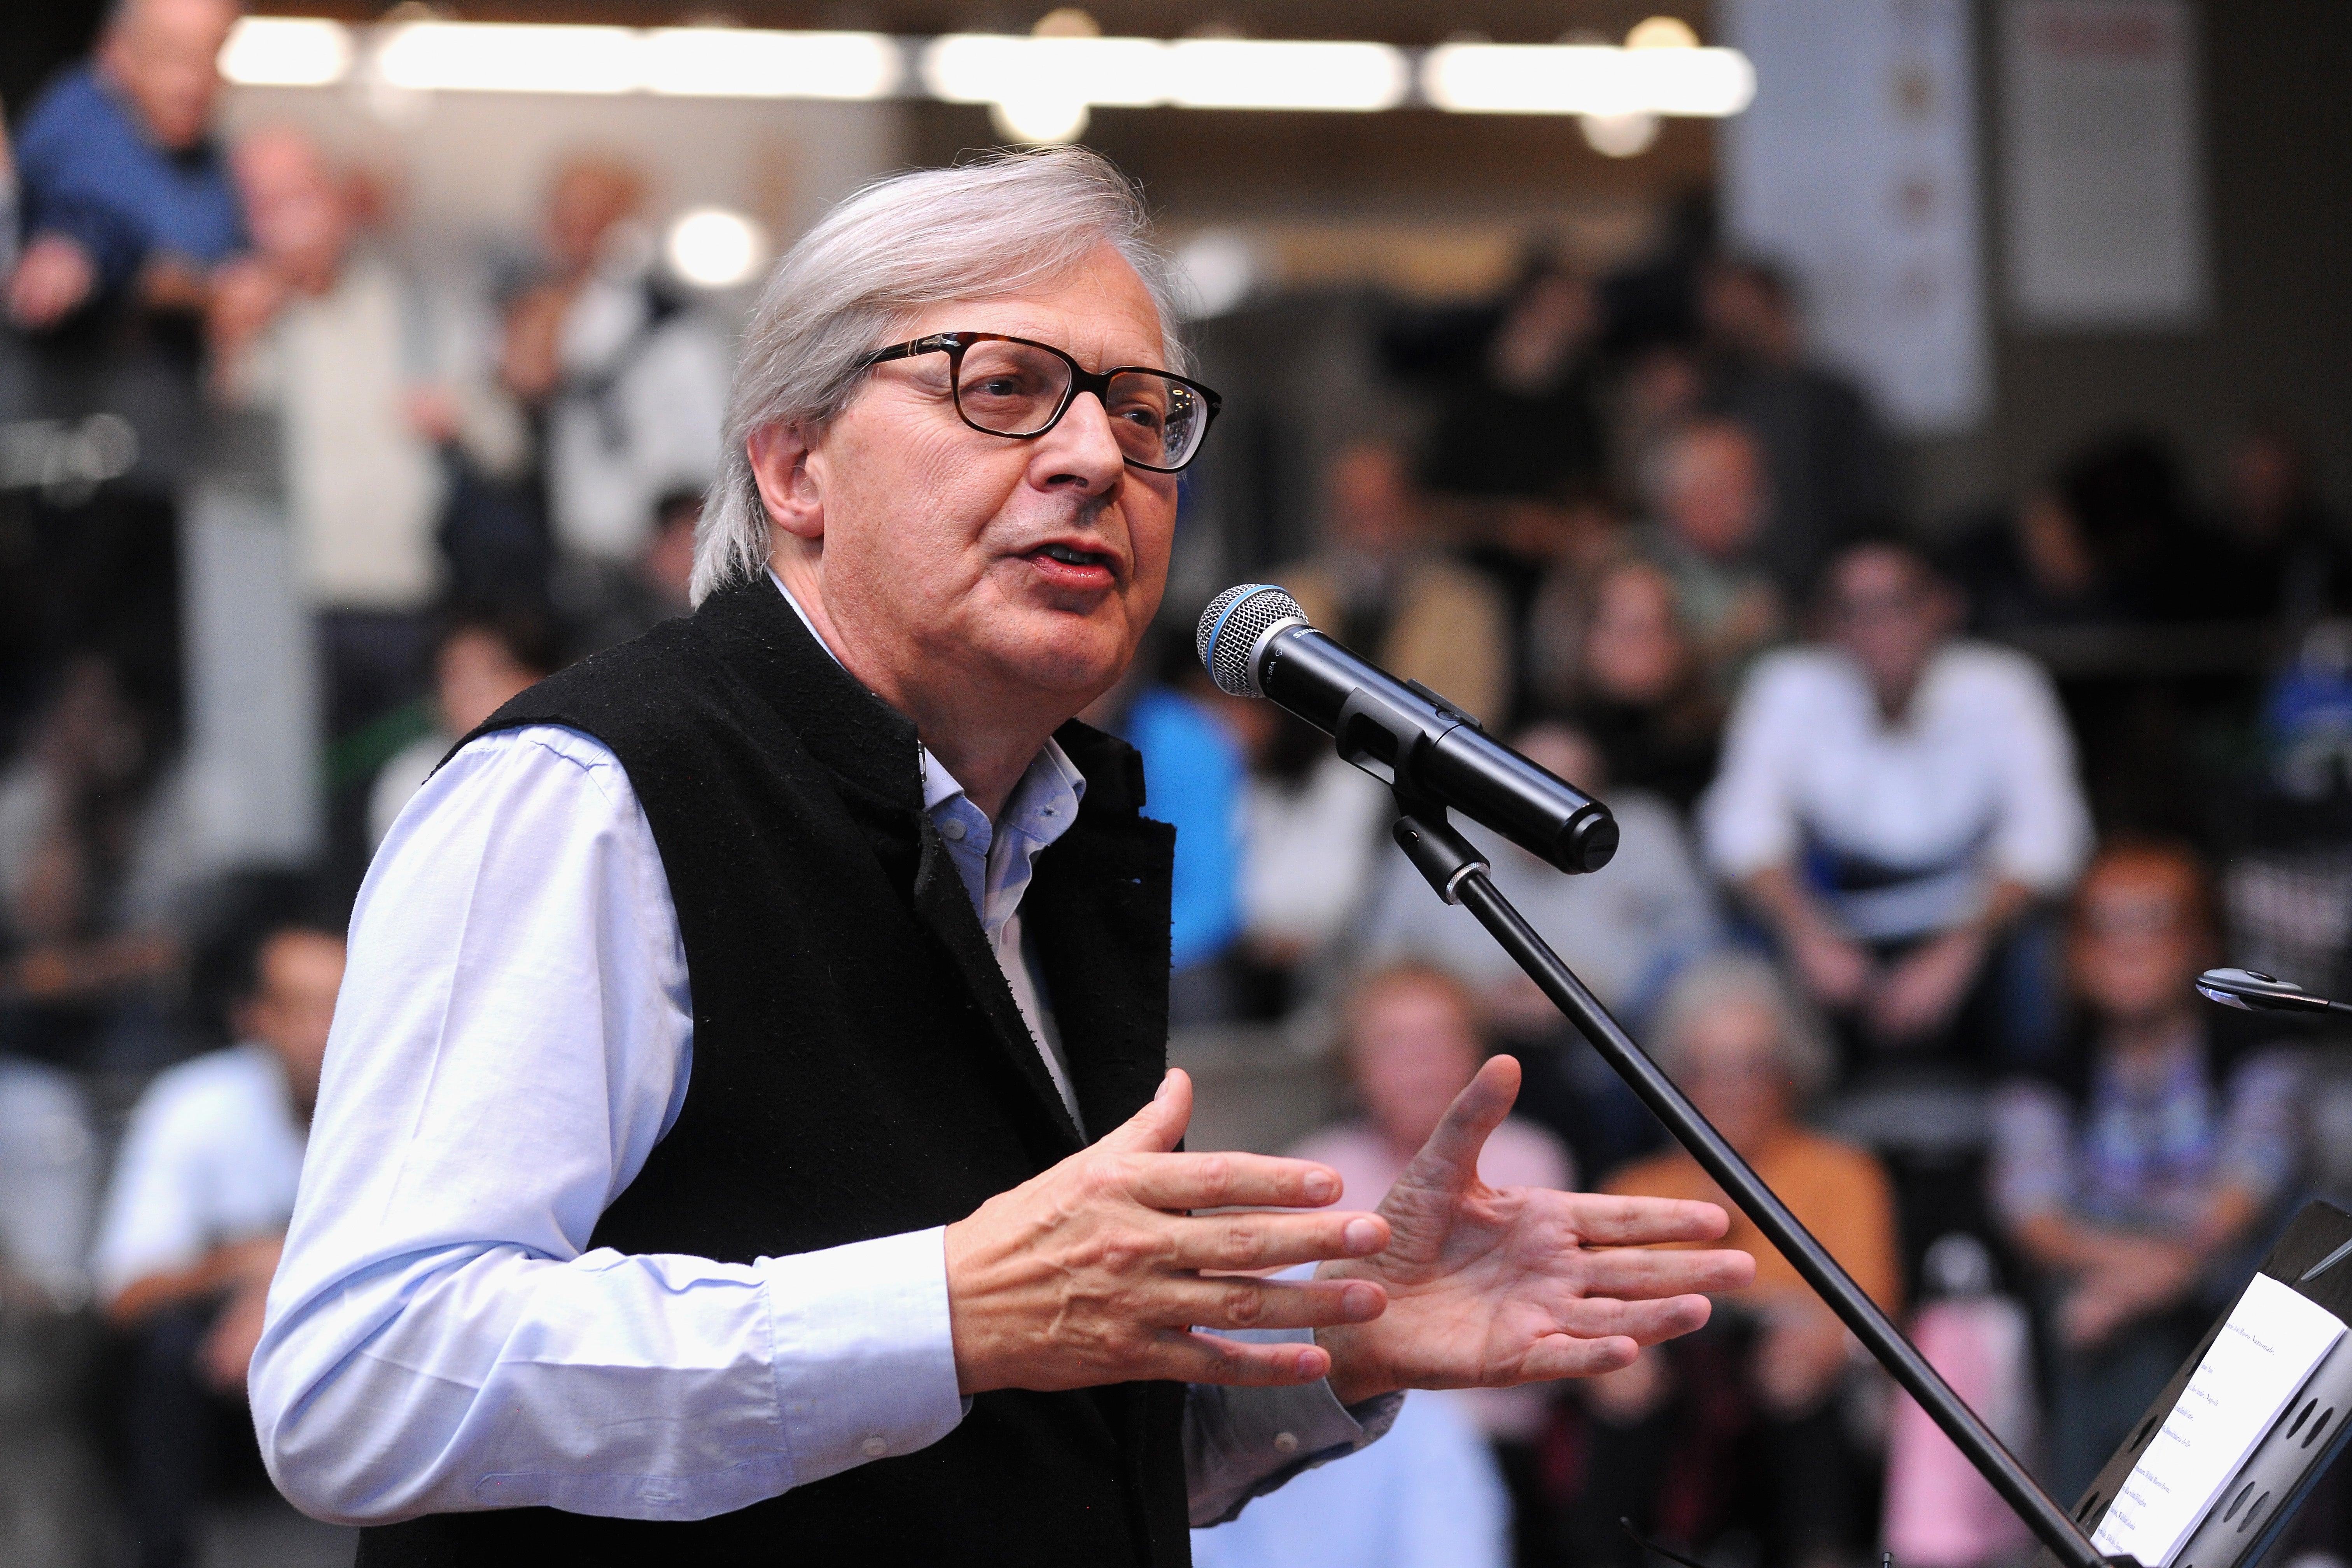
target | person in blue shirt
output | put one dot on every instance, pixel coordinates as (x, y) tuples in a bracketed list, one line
[(123, 190)]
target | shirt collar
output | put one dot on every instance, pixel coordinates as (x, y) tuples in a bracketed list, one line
[(1043, 804)]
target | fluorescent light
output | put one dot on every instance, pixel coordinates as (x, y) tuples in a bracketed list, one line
[(511, 56), (1251, 73), (285, 51), (748, 62), (1585, 78), (712, 248), (1001, 67)]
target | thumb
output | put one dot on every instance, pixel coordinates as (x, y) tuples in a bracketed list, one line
[(1449, 1160), (1159, 1127)]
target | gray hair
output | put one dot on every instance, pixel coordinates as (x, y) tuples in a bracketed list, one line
[(1736, 980), (989, 229)]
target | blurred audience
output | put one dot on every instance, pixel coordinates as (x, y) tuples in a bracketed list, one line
[(1613, 657), (653, 587), (2141, 1176), (1740, 1426), (628, 380), (2282, 555), (1830, 463), (93, 858), (377, 402), (1893, 802), (1519, 415), (193, 1221), (1706, 489), (124, 194), (1379, 584), (479, 663)]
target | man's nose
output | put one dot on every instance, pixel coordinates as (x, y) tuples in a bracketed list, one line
[(1081, 448)]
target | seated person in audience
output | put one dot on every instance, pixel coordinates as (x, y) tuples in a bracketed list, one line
[(1428, 1495), (1626, 930), (1662, 1439), (631, 600), (1893, 802), (124, 193), (203, 1188), (478, 663), (1414, 1039), (1613, 653), (1379, 585), (2139, 1178), (1708, 491)]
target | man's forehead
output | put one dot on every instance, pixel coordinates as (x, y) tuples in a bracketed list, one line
[(1095, 314)]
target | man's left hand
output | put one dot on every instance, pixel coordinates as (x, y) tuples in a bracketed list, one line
[(1492, 1286)]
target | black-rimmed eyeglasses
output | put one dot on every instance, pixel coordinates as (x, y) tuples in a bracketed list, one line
[(1019, 389)]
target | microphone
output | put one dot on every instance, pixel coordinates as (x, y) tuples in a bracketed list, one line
[(1256, 642), (2250, 991)]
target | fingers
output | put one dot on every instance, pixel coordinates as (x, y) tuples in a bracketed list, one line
[(1646, 1322), (1239, 1241), (1240, 1302), (1606, 1221), (1564, 1355), (1160, 1125), (1636, 1274), (1449, 1160), (1177, 1181), (1186, 1357)]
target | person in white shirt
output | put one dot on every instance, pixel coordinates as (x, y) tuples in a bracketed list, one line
[(923, 557), (1894, 800), (194, 1220)]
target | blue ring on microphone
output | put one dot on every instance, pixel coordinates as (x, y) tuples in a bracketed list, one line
[(1217, 632)]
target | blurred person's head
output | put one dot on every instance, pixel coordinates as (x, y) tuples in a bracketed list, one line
[(1707, 485), (483, 662), (162, 56), (1565, 750), (1636, 649), (287, 1002), (590, 193), (666, 563), (296, 203), (2126, 493), (2269, 483), (1734, 1037), (2142, 931), (1415, 1041), (1888, 608), (1750, 308), (1546, 324), (1369, 504)]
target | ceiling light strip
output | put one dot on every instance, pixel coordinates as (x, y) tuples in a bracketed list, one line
[(991, 68)]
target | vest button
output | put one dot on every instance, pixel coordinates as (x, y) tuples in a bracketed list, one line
[(876, 1446), (1285, 1442)]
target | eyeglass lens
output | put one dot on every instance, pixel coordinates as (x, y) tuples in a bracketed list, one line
[(1015, 389)]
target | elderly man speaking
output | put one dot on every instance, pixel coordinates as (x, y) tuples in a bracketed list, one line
[(746, 1133)]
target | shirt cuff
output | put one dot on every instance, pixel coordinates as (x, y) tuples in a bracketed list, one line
[(1241, 1443), (863, 1350)]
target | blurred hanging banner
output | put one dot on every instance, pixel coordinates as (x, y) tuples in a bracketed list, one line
[(2104, 204), (1856, 167)]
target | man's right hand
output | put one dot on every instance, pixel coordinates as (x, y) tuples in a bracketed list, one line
[(52, 278), (1092, 1272)]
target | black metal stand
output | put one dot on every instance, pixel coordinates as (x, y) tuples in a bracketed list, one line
[(1458, 873)]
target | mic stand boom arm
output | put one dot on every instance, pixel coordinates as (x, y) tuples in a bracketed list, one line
[(1458, 873)]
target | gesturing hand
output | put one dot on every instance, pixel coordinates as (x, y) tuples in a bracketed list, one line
[(1491, 1286), (1091, 1272)]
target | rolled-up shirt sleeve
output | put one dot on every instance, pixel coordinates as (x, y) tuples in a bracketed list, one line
[(512, 1040), (2042, 834), (1749, 819)]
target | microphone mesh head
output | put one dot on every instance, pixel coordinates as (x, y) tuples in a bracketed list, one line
[(1230, 626)]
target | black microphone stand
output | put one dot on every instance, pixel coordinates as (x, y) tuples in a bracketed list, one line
[(1458, 873)]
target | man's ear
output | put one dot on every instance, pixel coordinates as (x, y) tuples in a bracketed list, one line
[(780, 463)]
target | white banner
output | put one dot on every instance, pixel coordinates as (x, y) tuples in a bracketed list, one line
[(1856, 167)]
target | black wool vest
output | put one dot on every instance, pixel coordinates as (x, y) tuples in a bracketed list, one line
[(861, 1069)]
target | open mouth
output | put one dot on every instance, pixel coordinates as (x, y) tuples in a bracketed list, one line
[(1068, 556)]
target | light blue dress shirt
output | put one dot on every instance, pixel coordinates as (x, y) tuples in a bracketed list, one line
[(513, 1036)]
